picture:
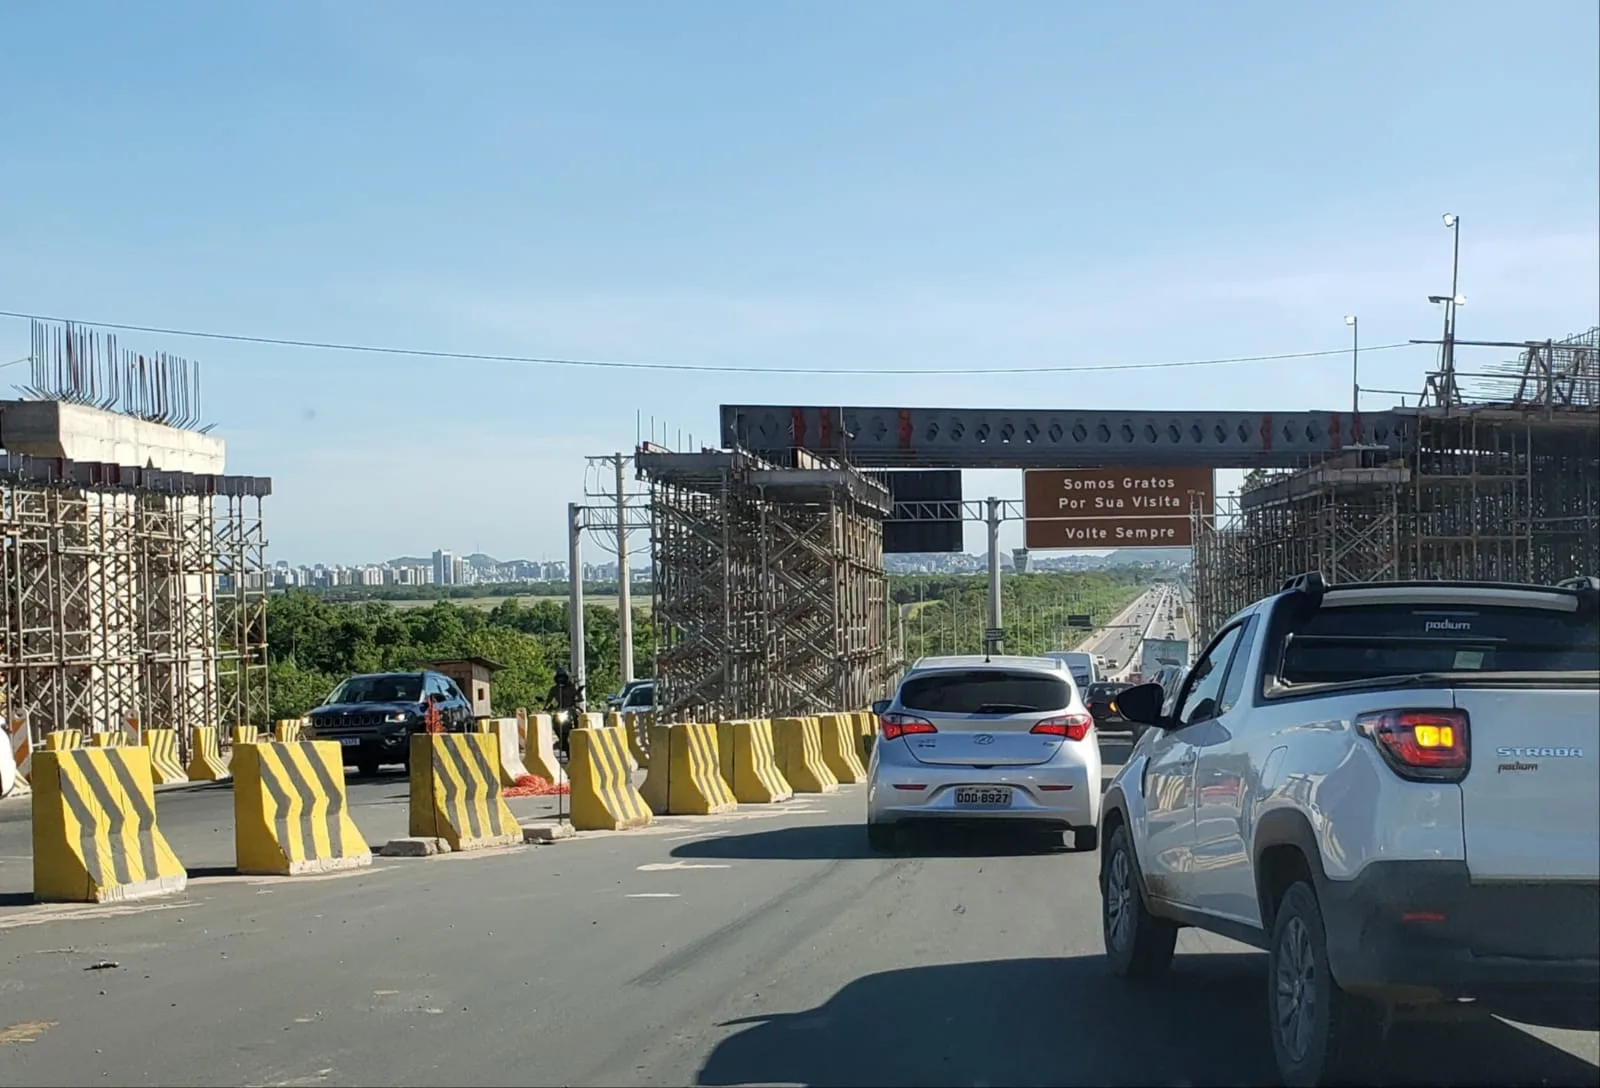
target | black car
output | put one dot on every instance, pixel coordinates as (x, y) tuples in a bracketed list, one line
[(1102, 702), (374, 715)]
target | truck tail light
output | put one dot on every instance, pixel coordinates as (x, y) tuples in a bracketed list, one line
[(1421, 745), (895, 723)]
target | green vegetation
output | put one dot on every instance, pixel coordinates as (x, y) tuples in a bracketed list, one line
[(494, 590), (316, 642), (947, 614)]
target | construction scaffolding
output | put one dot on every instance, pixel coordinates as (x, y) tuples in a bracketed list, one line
[(1504, 492), (130, 596), (769, 590)]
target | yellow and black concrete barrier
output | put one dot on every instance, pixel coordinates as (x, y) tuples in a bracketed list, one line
[(508, 744), (63, 740), (287, 730), (839, 742), (290, 815), (685, 778), (603, 796), (455, 791), (109, 738), (205, 758), (539, 747), (639, 736), (95, 838), (165, 765), (749, 765), (798, 745)]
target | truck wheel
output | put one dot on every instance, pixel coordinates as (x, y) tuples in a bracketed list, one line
[(1320, 1034), (1138, 944)]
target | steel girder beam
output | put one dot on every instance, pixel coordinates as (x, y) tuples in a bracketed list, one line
[(1028, 438)]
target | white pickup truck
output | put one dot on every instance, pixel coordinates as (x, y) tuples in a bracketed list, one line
[(1392, 788)]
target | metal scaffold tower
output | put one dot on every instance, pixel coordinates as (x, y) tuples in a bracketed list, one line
[(130, 596), (770, 595), (1505, 491)]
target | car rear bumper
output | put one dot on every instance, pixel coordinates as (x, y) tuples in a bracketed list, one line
[(1423, 931), (1032, 803)]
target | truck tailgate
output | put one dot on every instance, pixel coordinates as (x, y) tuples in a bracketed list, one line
[(1531, 802)]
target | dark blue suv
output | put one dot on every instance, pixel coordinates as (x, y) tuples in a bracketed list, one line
[(374, 715)]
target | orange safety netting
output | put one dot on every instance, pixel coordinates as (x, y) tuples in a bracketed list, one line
[(531, 785)]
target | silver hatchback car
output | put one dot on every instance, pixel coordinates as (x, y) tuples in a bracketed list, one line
[(991, 739)]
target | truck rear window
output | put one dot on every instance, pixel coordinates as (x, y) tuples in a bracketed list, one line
[(984, 691), (1369, 642)]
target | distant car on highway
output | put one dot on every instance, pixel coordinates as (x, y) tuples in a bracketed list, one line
[(1102, 700), (373, 715), (998, 740), (615, 700)]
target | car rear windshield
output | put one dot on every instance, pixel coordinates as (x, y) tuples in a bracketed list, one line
[(985, 691), (378, 689), (1374, 641)]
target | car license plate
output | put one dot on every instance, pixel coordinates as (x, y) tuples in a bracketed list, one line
[(983, 797), (350, 742)]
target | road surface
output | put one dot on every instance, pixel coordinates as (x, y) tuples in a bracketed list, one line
[(765, 947)]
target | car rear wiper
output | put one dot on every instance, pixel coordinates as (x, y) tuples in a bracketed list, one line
[(1004, 708)]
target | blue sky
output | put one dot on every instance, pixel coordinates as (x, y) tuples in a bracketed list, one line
[(766, 184)]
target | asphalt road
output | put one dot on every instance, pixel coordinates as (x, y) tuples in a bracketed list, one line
[(1153, 613), (767, 947)]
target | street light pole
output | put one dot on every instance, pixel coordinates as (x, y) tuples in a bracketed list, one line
[(1452, 223), (1355, 363)]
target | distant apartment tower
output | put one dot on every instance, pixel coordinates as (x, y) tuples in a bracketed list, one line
[(444, 568)]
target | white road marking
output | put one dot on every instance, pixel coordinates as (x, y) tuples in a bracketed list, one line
[(674, 866), (651, 895)]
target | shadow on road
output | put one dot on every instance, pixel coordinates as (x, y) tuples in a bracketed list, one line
[(833, 842), (1068, 1022)]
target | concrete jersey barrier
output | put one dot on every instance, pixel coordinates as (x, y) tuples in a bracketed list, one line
[(798, 745), (165, 764), (455, 791), (290, 812), (603, 796), (685, 777), (95, 837), (507, 736), (748, 764), (839, 743), (63, 740), (205, 759), (539, 747)]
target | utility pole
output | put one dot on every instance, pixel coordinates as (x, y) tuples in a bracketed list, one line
[(624, 578), (1355, 363), (575, 663), (994, 568)]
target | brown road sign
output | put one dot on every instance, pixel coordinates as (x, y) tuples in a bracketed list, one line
[(1113, 507)]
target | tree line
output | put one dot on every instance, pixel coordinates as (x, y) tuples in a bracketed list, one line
[(314, 642)]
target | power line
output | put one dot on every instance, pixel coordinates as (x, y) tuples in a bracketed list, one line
[(535, 360)]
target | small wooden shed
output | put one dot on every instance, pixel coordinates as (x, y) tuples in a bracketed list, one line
[(474, 676)]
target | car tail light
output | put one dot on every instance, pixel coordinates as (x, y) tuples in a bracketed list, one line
[(896, 724), (1071, 726), (1421, 745)]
